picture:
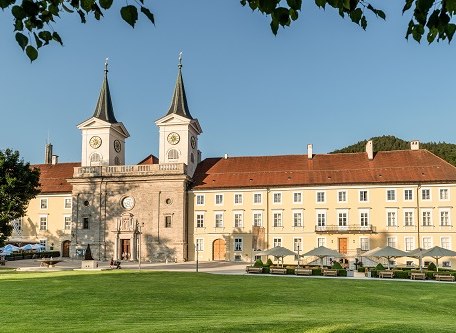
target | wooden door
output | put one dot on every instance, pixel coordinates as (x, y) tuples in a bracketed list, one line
[(66, 248), (125, 249), (343, 242), (219, 249)]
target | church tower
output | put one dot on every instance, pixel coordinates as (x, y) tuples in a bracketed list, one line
[(103, 137), (179, 130)]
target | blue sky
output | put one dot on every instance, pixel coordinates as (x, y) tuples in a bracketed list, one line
[(323, 81)]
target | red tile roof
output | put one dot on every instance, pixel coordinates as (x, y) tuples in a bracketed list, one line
[(53, 177), (151, 159), (401, 166)]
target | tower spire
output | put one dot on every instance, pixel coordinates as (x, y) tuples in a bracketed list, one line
[(104, 109), (179, 101)]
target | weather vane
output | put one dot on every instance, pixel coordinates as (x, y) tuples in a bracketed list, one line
[(106, 64), (180, 59)]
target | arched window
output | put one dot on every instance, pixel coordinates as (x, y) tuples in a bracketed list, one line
[(95, 159), (116, 160), (192, 158), (173, 154)]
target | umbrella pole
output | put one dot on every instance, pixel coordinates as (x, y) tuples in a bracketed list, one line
[(437, 263)]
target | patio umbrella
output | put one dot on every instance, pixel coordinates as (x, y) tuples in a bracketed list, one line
[(322, 252), (437, 253), (417, 253), (277, 251), (27, 247), (38, 247), (11, 248), (388, 252)]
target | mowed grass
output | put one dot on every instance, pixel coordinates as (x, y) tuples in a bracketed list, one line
[(146, 301)]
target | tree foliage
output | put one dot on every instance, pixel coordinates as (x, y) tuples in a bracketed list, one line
[(18, 184), (444, 150)]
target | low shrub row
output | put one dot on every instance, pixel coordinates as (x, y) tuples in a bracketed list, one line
[(30, 255)]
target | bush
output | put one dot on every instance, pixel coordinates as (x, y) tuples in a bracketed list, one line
[(402, 274), (341, 272), (258, 263), (266, 269), (336, 265), (380, 267), (316, 271), (269, 262), (432, 267)]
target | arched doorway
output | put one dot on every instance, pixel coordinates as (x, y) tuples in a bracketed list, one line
[(66, 248), (219, 249)]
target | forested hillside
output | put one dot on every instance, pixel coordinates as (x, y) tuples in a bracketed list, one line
[(447, 151)]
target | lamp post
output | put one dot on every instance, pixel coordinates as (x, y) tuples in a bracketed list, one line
[(197, 250), (299, 247), (138, 234)]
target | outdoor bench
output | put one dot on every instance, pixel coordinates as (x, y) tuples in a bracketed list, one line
[(417, 276), (276, 270), (386, 274), (444, 277), (251, 269), (330, 272), (303, 271)]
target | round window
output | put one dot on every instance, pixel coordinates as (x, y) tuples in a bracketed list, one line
[(168, 201)]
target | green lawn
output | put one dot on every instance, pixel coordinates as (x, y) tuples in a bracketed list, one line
[(146, 301)]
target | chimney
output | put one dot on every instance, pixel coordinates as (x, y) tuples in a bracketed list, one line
[(414, 145), (226, 156), (48, 154), (309, 151), (55, 159), (370, 150)]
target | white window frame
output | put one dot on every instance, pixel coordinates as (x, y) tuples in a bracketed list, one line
[(44, 203), (200, 199), (445, 197), (257, 195), (406, 196), (364, 243), (238, 199), (216, 221), (442, 212), (363, 196), (320, 195), (43, 221), (65, 224), (238, 223), (392, 211), (66, 201), (277, 198), (391, 241), (342, 193), (43, 242), (238, 244), (300, 221), (407, 214), (409, 243), (342, 218), (277, 241), (199, 223), (321, 241), (297, 241), (254, 218), (426, 194), (429, 222), (277, 219), (391, 195), (321, 218), (199, 244), (361, 217), (445, 242), (427, 242), (297, 197), (218, 199)]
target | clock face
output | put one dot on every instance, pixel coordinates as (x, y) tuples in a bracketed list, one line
[(173, 138), (128, 203), (193, 142), (117, 146), (95, 142)]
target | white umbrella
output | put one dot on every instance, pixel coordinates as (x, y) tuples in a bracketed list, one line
[(322, 252), (11, 248), (437, 253), (388, 252), (277, 251)]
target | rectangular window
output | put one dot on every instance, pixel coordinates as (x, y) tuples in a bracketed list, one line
[(364, 218), (320, 196), (409, 243), (297, 197), (43, 222), (408, 218), (168, 221), (200, 199), (297, 219), (321, 218), (408, 195), (427, 242), (364, 243), (238, 244), (44, 203), (199, 244), (238, 199), (43, 242), (321, 241), (200, 220), (342, 196), (342, 218), (425, 194), (238, 220), (277, 242), (85, 223), (391, 241), (391, 219), (219, 220), (445, 218), (445, 242), (391, 195), (219, 199), (426, 218), (277, 218), (67, 222), (277, 198), (297, 244), (257, 198), (68, 203), (363, 196), (444, 194), (257, 219)]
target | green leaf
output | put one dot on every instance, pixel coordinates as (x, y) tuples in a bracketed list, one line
[(451, 6), (450, 30), (105, 4), (56, 37), (87, 5), (148, 13), (363, 22), (408, 4), (129, 14), (82, 16), (267, 6), (18, 25), (22, 40), (67, 9), (18, 12), (38, 41), (432, 34), (346, 4), (320, 3), (295, 4), (46, 36), (274, 26), (31, 52), (381, 14), (356, 15), (294, 14)]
